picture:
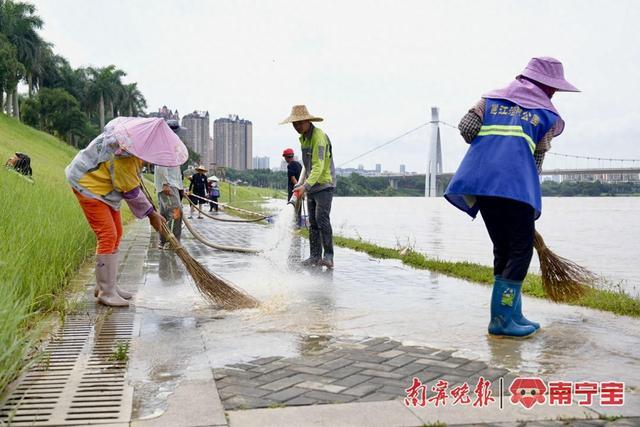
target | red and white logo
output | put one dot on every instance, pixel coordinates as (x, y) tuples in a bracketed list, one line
[(528, 392)]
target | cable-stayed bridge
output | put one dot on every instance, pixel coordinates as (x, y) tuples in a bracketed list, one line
[(557, 166)]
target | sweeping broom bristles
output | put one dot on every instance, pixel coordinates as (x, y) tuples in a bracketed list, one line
[(562, 280), (215, 289)]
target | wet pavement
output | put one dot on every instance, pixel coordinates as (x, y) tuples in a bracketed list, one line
[(310, 322)]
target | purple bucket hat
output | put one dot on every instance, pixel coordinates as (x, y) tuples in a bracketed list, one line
[(548, 71)]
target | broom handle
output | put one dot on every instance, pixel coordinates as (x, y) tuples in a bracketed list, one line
[(538, 242)]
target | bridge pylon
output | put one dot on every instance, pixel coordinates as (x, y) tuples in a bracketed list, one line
[(434, 163)]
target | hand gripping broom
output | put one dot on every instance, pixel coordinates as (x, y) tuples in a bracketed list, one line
[(562, 280), (214, 288)]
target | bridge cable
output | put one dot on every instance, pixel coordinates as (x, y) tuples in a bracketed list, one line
[(384, 144), (591, 157)]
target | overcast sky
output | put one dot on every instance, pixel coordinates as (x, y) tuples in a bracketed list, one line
[(372, 69)]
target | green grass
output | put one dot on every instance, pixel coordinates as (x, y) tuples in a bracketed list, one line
[(249, 198), (44, 238), (121, 352), (607, 300)]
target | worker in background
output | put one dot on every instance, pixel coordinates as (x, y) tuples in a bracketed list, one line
[(169, 186), (198, 189), (294, 169)]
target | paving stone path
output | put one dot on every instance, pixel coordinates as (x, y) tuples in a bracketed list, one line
[(373, 369)]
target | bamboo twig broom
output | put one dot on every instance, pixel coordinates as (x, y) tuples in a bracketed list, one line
[(212, 287), (562, 279)]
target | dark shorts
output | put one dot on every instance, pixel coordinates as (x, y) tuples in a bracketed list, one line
[(197, 201)]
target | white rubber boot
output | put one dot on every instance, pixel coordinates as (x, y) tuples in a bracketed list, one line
[(106, 265), (123, 294)]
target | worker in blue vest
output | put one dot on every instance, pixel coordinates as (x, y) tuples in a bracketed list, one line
[(509, 131)]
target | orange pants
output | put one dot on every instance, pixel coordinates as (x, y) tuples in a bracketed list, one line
[(104, 221)]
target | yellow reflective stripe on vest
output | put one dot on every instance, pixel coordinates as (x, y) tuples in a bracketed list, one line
[(507, 131)]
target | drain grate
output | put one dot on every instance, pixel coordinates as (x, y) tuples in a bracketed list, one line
[(78, 382)]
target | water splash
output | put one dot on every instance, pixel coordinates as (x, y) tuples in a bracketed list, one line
[(279, 237)]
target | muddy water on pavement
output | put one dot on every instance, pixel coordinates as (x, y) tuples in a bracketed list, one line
[(302, 309)]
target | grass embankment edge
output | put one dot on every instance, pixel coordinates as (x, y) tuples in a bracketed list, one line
[(616, 302), (45, 241)]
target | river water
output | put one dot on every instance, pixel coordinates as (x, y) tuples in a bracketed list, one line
[(601, 233)]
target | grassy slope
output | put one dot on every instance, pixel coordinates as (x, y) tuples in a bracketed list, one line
[(44, 238)]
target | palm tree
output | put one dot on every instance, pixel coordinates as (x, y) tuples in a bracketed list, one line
[(104, 87), (19, 23), (132, 102), (42, 66), (10, 71)]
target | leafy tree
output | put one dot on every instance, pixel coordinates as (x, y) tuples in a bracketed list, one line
[(58, 112), (19, 23), (10, 68), (131, 103), (105, 87)]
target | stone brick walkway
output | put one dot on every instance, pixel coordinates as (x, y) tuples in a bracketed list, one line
[(374, 369)]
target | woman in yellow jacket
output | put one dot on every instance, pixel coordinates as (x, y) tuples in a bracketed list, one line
[(102, 175)]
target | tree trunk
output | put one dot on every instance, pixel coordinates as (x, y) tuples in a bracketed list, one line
[(113, 114), (30, 82), (8, 104), (101, 108), (16, 104), (130, 111), (1, 99)]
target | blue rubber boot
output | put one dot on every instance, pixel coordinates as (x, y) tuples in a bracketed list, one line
[(519, 318), (504, 298)]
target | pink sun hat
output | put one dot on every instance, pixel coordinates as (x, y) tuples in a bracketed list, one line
[(548, 71), (148, 138)]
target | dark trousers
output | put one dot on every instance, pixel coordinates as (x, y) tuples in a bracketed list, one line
[(511, 226), (213, 205), (320, 232)]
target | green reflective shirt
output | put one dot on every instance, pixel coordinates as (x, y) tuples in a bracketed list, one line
[(317, 157)]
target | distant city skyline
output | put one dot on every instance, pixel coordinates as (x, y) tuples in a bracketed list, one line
[(197, 135), (233, 142), (261, 162), (372, 71)]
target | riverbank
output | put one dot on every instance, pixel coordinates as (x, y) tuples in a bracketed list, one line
[(613, 301)]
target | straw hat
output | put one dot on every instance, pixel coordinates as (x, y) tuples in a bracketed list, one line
[(300, 113), (201, 168)]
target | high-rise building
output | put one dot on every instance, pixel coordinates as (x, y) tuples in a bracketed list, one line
[(261, 162), (378, 167), (197, 136), (166, 114), (403, 169), (233, 142)]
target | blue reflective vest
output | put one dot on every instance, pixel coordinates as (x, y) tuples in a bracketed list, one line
[(500, 160)]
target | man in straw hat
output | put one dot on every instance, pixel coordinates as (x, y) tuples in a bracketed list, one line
[(198, 189), (509, 131), (319, 186)]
